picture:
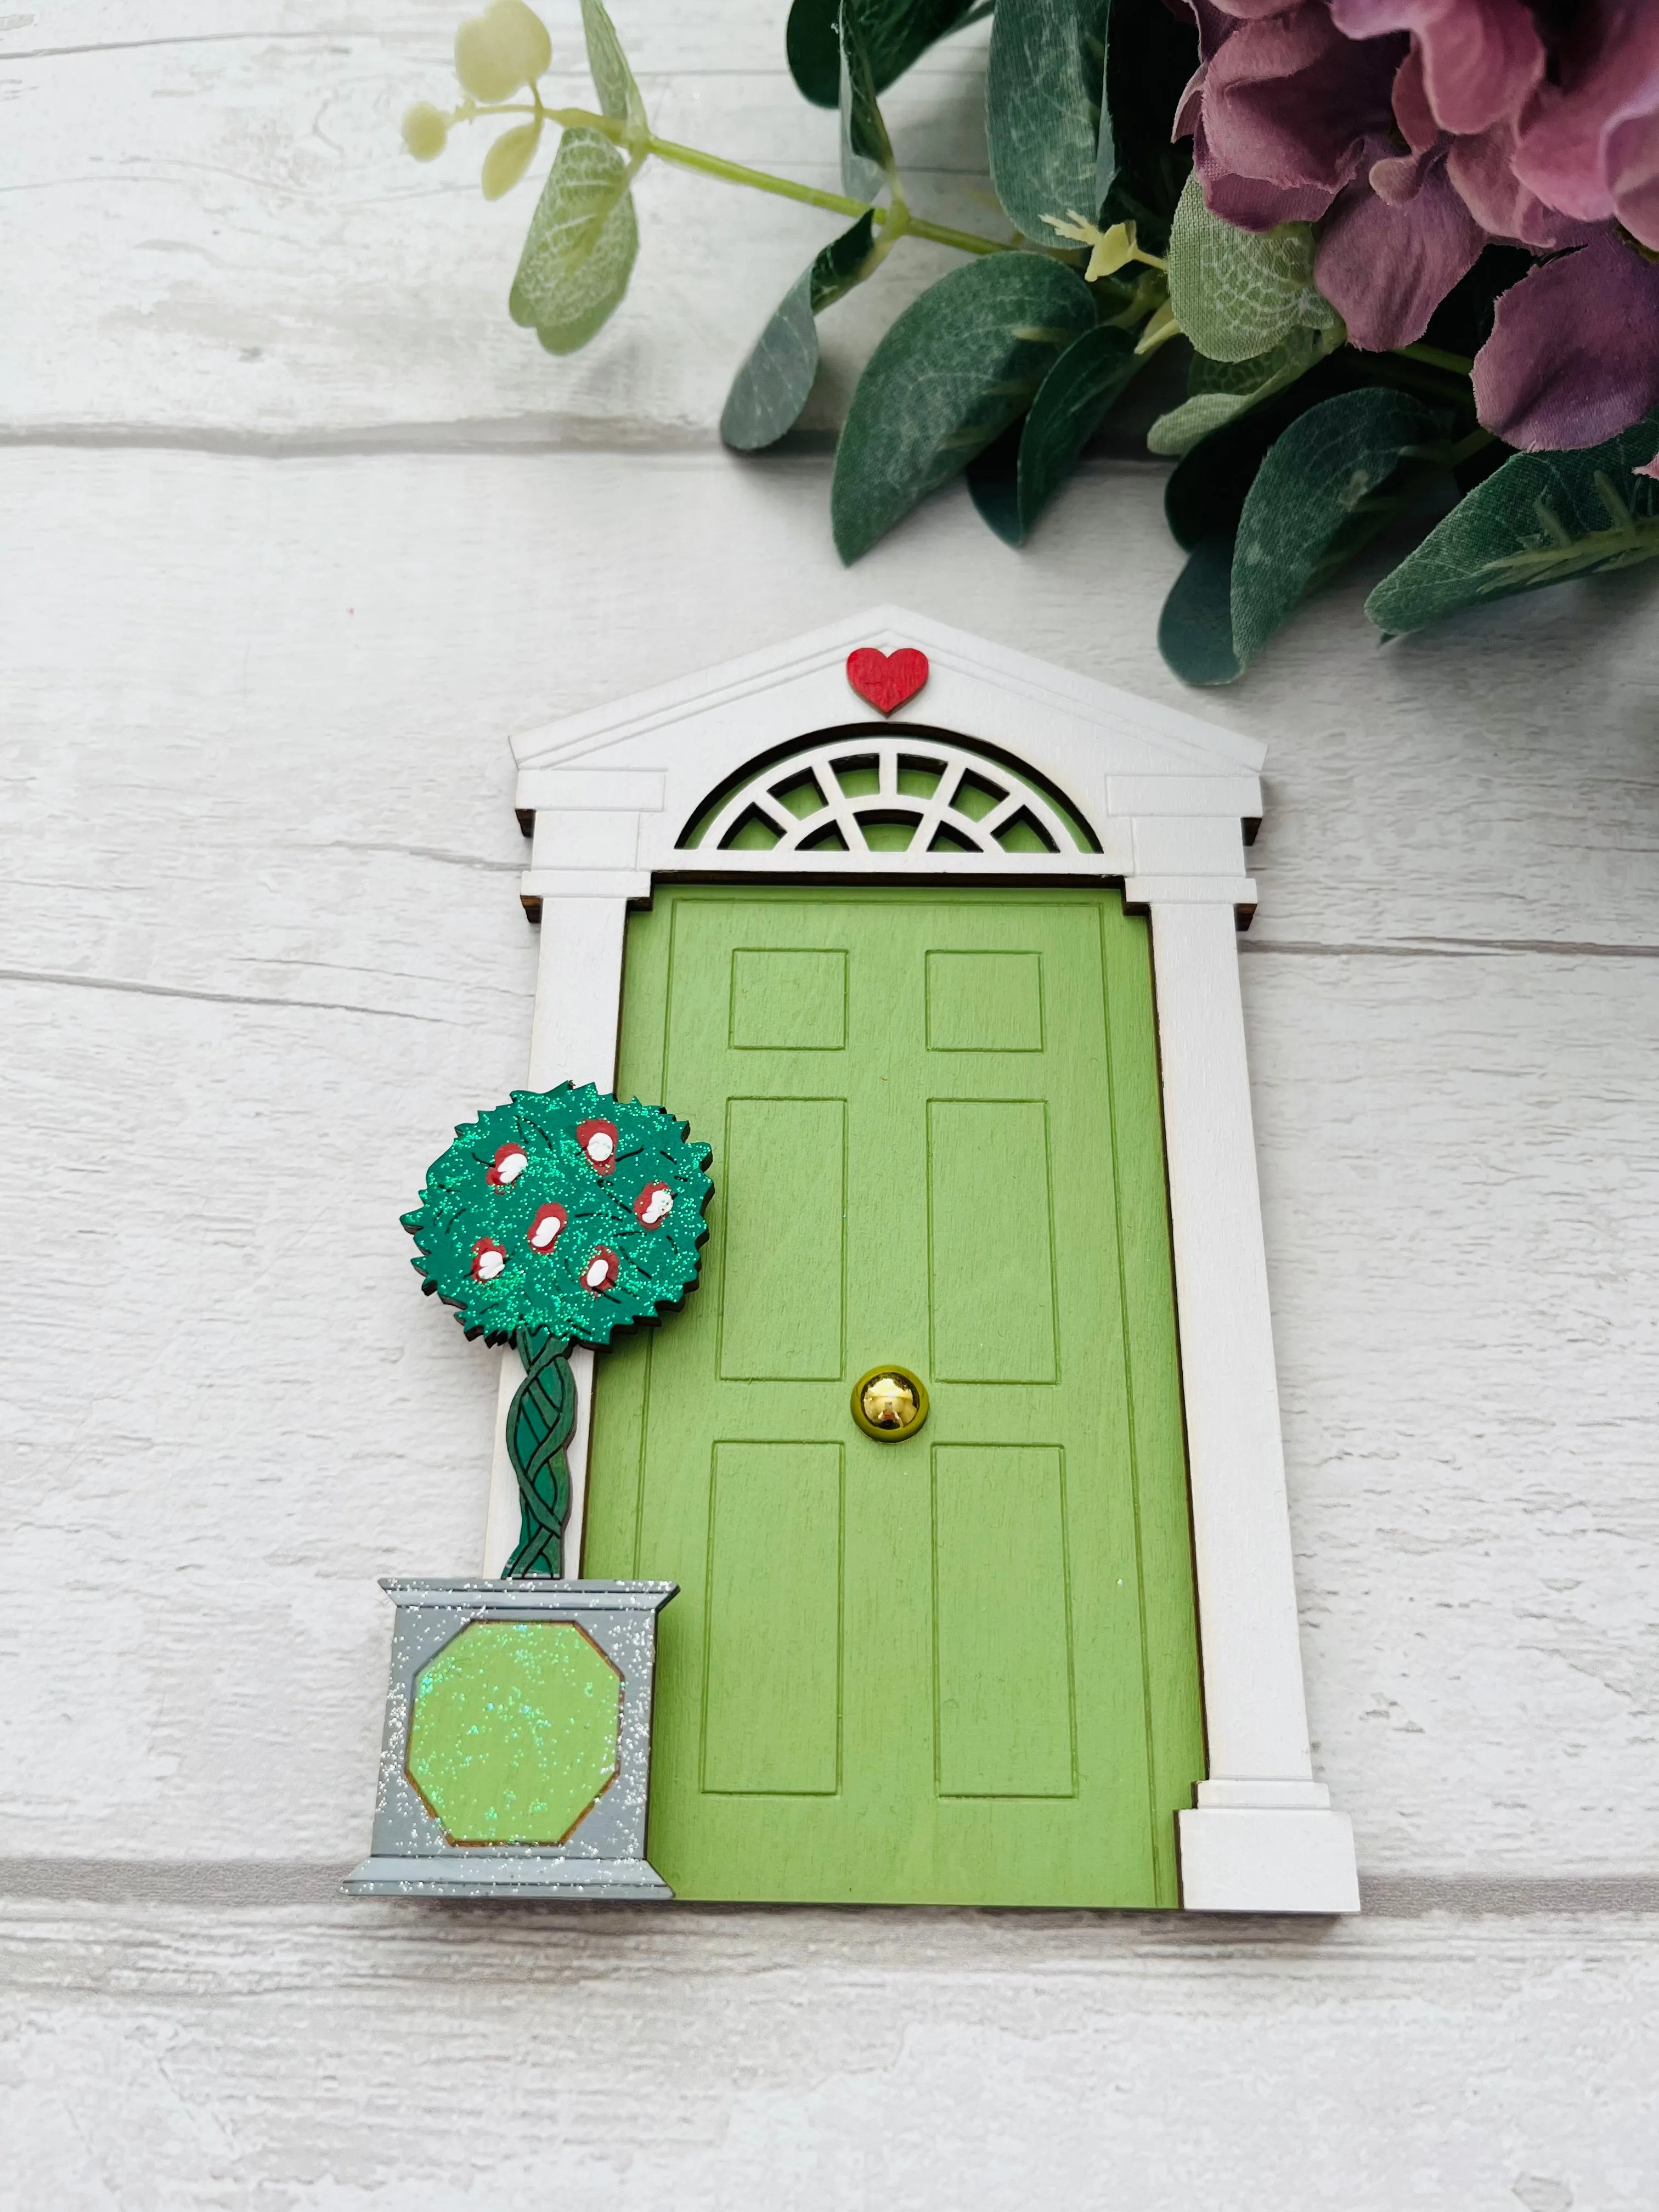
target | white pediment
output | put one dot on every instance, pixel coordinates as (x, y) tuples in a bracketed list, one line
[(1161, 793), (1068, 727)]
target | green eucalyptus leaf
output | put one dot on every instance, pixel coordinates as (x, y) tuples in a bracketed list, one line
[(813, 47), (1222, 390), (1139, 170), (993, 477), (896, 33), (770, 389), (843, 264), (1207, 487), (1541, 518), (579, 251), (1011, 482), (509, 158), (613, 80), (1239, 293), (1319, 496), (1042, 100), (959, 365), (867, 167), (1195, 630)]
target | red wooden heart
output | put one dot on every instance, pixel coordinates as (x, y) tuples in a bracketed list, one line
[(887, 679)]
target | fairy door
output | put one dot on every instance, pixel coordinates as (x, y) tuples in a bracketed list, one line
[(958, 1667)]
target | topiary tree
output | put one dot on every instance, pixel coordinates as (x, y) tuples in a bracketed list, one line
[(555, 1220)]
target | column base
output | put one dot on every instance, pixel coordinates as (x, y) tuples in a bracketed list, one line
[(1253, 1847), (623, 1880)]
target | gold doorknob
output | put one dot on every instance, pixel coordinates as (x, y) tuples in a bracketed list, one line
[(889, 1403)]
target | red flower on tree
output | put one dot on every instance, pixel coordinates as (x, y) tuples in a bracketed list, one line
[(599, 1141), (488, 1259), (546, 1225), (655, 1204)]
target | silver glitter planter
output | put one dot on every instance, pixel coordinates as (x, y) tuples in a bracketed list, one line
[(602, 1854)]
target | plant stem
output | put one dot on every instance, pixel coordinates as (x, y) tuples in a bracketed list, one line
[(711, 165), (1434, 358), (1469, 446), (762, 180)]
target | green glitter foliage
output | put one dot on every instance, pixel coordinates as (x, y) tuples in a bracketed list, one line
[(565, 1213), (553, 1220)]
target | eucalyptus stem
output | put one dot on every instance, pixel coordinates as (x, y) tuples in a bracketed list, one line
[(1466, 448), (1434, 358), (637, 146), (735, 172)]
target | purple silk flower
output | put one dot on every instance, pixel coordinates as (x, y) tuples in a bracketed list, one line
[(1413, 133)]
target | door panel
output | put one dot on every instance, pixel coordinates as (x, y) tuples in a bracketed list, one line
[(782, 1260), (984, 1002), (991, 1257), (962, 1667), (791, 1002), (1002, 1669), (772, 1621)]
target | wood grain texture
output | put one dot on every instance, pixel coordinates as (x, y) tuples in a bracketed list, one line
[(262, 261), (437, 2058)]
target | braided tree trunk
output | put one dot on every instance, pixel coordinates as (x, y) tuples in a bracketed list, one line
[(538, 1425)]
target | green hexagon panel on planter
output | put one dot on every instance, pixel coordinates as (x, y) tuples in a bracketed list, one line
[(513, 1733)]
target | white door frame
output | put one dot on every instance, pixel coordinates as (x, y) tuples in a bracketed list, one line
[(613, 793)]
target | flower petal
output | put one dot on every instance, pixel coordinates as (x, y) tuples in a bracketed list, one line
[(1287, 105), (1482, 169), (1573, 358), (1633, 172), (1480, 58), (1386, 266), (1601, 124)]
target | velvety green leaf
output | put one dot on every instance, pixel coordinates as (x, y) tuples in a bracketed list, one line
[(843, 264), (1139, 170), (508, 157), (1012, 487), (502, 49), (1222, 390), (1239, 293), (1043, 97), (1206, 489), (1195, 631), (867, 167), (579, 249), (1318, 498), (619, 96), (993, 477), (770, 389), (896, 32), (1541, 518), (812, 48), (958, 366)]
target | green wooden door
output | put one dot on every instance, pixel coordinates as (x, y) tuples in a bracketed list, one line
[(962, 1667)]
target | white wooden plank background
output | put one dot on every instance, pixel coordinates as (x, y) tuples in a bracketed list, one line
[(265, 625)]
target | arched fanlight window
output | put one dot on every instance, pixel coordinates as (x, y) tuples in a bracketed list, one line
[(863, 791)]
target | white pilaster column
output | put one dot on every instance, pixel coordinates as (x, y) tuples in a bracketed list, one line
[(1262, 1836), (573, 1036)]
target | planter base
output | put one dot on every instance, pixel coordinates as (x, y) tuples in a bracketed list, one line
[(518, 1742), (625, 1881)]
